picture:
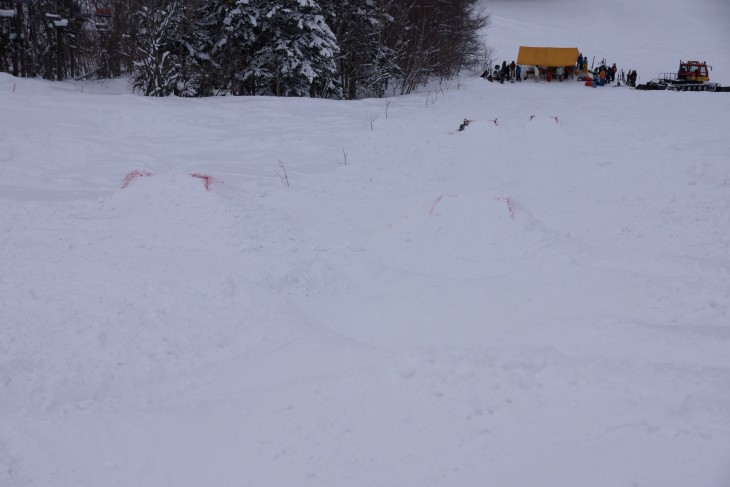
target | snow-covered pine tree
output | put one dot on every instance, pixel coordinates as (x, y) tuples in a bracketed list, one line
[(225, 42), (295, 51), (193, 69), (159, 47), (357, 25)]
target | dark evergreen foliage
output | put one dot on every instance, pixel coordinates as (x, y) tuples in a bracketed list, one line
[(159, 48), (324, 48)]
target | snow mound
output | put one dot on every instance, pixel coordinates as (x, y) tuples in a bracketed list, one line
[(112, 308), (544, 131), (178, 201)]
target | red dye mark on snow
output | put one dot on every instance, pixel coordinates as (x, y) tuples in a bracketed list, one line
[(207, 180), (438, 200), (511, 205), (131, 176)]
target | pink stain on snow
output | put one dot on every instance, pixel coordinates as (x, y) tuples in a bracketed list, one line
[(438, 200), (207, 180), (511, 205), (132, 175)]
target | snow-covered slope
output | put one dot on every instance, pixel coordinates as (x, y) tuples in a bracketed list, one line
[(308, 292)]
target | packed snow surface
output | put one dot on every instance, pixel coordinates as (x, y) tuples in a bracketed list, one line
[(298, 292)]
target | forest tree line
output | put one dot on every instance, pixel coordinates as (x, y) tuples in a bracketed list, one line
[(321, 48)]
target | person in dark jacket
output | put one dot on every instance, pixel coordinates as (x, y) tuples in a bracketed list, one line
[(631, 78)]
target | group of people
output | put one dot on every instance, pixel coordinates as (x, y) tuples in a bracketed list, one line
[(514, 72), (603, 75), (555, 72), (599, 76), (507, 72)]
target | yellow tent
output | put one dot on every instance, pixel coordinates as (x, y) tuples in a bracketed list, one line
[(547, 56)]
